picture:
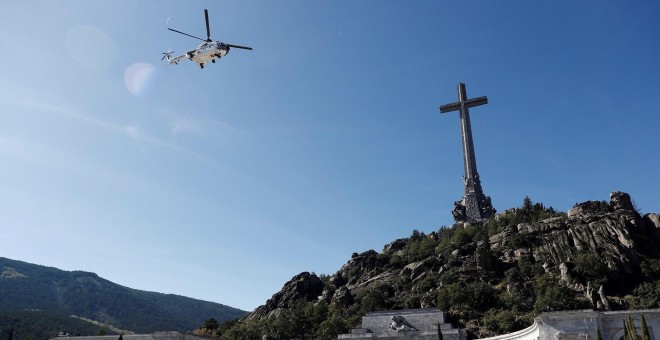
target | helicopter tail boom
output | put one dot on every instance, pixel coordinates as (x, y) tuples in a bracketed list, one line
[(172, 60)]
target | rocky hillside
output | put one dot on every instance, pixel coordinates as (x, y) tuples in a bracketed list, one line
[(492, 278)]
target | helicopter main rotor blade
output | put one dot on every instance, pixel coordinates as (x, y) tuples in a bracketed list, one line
[(208, 31), (192, 36), (237, 46)]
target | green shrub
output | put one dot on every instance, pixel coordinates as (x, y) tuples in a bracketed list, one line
[(474, 296), (427, 283), (420, 248), (412, 301), (527, 213), (651, 268), (552, 296), (397, 261), (480, 295), (373, 299), (591, 267), (646, 296), (331, 327), (502, 321)]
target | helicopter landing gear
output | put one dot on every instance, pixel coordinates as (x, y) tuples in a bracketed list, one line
[(201, 65), (213, 61)]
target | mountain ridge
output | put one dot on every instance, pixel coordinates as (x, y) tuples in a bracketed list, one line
[(26, 286)]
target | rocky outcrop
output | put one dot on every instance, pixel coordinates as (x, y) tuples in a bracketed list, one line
[(592, 227), (342, 297), (652, 223), (361, 266), (414, 272), (304, 286)]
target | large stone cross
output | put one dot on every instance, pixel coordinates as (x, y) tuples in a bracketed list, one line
[(475, 206)]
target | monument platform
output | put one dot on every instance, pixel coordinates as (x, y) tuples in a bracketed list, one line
[(413, 324)]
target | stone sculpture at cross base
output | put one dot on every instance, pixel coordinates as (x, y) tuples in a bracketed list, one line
[(399, 323), (475, 206), (409, 324)]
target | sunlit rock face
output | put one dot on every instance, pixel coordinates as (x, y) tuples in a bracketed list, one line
[(597, 254)]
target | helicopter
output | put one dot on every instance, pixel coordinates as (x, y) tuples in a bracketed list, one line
[(208, 50)]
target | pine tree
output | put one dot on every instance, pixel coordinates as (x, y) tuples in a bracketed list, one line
[(632, 332), (121, 337), (439, 332), (598, 336), (645, 329)]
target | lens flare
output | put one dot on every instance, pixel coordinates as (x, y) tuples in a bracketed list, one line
[(137, 78)]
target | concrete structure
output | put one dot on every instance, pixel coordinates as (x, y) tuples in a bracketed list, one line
[(412, 324), (475, 206), (581, 325)]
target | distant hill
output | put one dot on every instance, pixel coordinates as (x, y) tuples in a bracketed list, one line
[(58, 293), (490, 278)]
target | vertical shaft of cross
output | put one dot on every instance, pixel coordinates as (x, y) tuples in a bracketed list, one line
[(469, 159), (475, 206)]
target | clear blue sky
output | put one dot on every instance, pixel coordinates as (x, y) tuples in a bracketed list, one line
[(326, 139)]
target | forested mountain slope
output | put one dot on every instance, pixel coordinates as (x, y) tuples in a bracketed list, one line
[(25, 286)]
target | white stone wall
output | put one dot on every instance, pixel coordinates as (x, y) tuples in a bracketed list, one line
[(581, 325), (612, 323)]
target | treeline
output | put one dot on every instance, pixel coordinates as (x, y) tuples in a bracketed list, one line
[(39, 325)]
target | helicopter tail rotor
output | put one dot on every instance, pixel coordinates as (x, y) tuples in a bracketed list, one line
[(167, 55)]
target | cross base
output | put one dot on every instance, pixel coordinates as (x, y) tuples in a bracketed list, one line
[(473, 208)]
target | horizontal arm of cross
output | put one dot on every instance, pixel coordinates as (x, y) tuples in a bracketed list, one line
[(468, 103)]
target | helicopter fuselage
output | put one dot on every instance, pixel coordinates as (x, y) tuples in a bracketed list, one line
[(205, 52), (208, 51)]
